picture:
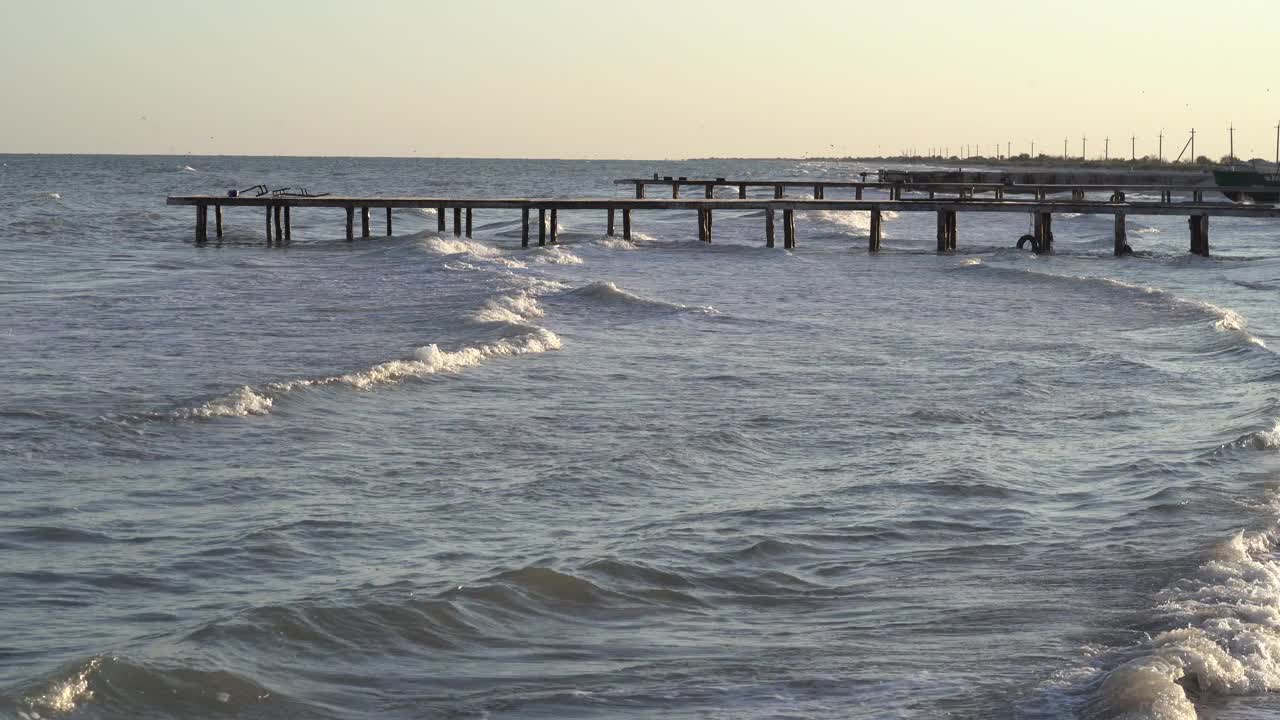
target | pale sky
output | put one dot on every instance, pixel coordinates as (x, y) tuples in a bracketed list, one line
[(647, 79)]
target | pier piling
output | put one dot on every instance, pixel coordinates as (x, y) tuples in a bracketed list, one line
[(202, 224), (457, 222), (609, 231), (876, 231), (742, 192), (768, 228), (542, 227), (279, 213), (524, 227), (217, 220), (468, 223), (364, 222), (626, 224), (351, 218), (1199, 234), (1121, 242), (440, 222), (288, 225), (788, 228), (555, 227), (388, 222)]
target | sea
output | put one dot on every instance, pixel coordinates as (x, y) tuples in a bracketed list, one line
[(425, 476)]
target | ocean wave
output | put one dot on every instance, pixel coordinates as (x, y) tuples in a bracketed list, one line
[(470, 249), (119, 687), (553, 255), (1222, 637), (516, 310), (607, 293), (1268, 439), (426, 361), (1223, 319)]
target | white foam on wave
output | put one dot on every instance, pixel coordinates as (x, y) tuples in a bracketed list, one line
[(516, 309), (553, 255), (64, 696), (1223, 636), (469, 249), (1268, 439)]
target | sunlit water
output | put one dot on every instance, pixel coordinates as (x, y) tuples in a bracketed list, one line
[(420, 476)]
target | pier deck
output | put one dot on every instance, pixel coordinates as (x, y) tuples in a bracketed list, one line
[(278, 213)]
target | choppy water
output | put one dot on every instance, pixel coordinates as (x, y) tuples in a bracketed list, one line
[(420, 476)]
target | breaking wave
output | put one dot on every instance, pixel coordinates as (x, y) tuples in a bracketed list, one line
[(1222, 637)]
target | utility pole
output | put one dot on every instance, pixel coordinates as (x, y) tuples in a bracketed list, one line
[(1193, 146), (1008, 148), (1106, 148), (1160, 153), (1133, 147), (1033, 148), (1232, 153), (1064, 148), (1277, 147), (1084, 146)]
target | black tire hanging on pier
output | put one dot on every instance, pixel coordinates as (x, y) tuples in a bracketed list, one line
[(1028, 238)]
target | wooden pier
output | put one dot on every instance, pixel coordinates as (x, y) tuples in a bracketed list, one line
[(277, 212)]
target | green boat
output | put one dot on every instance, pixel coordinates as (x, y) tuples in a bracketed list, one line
[(1248, 179)]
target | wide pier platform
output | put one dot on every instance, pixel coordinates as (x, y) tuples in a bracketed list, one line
[(278, 211)]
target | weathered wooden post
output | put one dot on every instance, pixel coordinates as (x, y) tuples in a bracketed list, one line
[(951, 230), (202, 224), (702, 225), (542, 226), (626, 224), (524, 227), (388, 221), (707, 212), (639, 190), (1199, 234), (819, 192), (279, 211), (609, 229), (440, 222), (288, 224), (742, 192), (217, 220), (768, 227), (942, 230), (877, 230), (777, 192), (468, 222), (364, 222), (710, 191), (555, 227), (1120, 239), (1044, 232), (788, 228), (1197, 196), (351, 218), (675, 189), (457, 221), (857, 192), (268, 209)]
